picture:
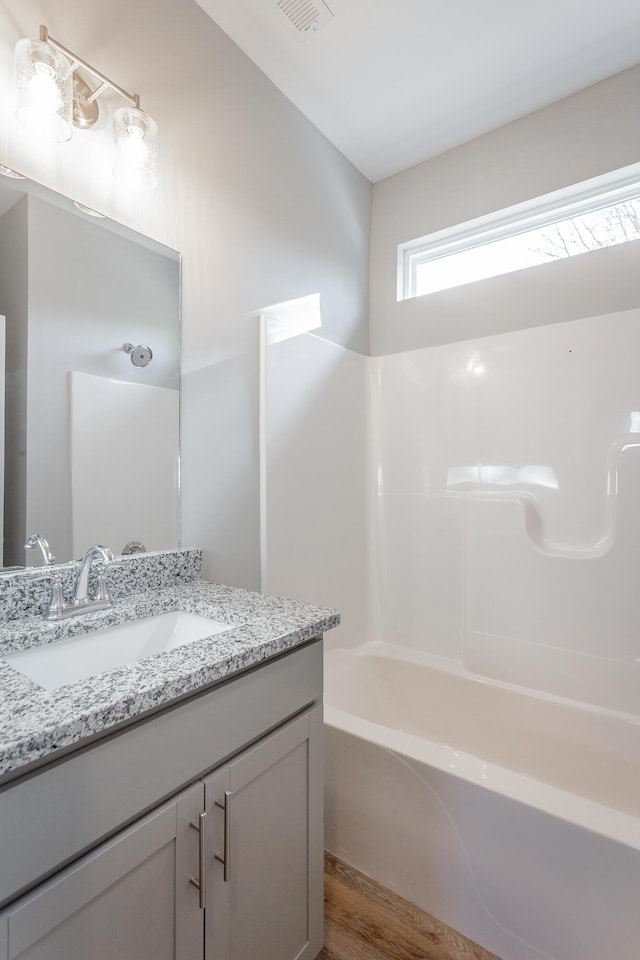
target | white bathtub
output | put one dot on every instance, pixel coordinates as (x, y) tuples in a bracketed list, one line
[(514, 818)]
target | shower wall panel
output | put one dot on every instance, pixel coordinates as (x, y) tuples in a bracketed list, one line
[(316, 535), (508, 507)]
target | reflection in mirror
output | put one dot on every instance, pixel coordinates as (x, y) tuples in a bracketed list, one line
[(89, 352)]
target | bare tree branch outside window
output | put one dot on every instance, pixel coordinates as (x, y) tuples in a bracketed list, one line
[(591, 231)]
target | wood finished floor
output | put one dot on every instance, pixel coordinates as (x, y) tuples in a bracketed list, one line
[(365, 921)]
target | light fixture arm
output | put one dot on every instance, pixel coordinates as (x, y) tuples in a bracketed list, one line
[(104, 81)]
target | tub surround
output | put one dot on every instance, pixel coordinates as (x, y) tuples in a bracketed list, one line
[(512, 818), (39, 725)]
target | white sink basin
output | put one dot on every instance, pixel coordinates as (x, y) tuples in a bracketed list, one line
[(56, 664)]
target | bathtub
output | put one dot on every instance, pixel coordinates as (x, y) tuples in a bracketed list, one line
[(513, 817)]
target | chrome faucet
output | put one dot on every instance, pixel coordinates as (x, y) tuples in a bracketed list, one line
[(82, 602), (81, 588), (39, 541)]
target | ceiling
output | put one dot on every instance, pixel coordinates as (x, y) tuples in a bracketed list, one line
[(394, 82)]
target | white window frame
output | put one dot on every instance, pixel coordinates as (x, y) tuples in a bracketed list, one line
[(585, 197)]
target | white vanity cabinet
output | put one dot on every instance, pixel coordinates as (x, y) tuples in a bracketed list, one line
[(257, 868)]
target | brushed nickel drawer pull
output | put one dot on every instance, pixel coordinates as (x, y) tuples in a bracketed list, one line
[(225, 859), (201, 883)]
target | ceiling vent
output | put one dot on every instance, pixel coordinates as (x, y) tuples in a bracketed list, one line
[(305, 16)]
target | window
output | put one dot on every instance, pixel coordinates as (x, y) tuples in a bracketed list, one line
[(591, 215)]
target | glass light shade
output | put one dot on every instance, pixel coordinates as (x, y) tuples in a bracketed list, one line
[(44, 83), (136, 142)]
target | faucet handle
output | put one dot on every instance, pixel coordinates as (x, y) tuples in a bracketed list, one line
[(101, 591), (56, 605)]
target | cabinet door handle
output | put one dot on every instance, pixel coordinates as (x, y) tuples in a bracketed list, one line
[(225, 859), (201, 883)]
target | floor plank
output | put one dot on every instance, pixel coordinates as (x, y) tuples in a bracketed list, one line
[(366, 921)]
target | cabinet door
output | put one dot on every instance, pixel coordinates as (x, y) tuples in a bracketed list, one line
[(131, 898), (264, 817)]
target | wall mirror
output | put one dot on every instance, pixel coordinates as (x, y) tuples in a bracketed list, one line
[(90, 354)]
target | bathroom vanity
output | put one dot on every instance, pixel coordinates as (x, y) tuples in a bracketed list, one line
[(170, 807)]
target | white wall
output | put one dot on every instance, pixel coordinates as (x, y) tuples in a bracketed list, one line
[(575, 139), (259, 203)]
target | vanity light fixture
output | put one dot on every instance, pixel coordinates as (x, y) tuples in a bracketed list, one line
[(52, 98)]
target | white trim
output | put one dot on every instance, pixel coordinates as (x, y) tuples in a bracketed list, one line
[(590, 195)]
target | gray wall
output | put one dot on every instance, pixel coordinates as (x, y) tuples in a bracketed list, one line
[(13, 304), (263, 208), (575, 139)]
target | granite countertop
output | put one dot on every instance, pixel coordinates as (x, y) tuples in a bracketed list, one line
[(36, 723)]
